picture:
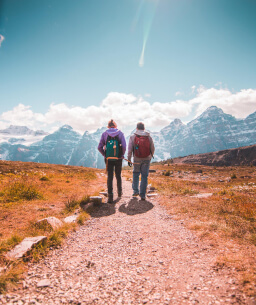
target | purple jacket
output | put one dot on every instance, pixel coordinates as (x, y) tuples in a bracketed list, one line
[(113, 132)]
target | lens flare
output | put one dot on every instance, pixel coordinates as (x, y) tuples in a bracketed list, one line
[(146, 11), (1, 39)]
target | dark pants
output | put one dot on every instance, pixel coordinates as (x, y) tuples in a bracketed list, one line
[(117, 165)]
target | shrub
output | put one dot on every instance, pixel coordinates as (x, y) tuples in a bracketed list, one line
[(167, 173), (233, 176), (44, 178)]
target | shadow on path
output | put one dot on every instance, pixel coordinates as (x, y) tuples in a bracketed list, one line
[(135, 206), (103, 210)]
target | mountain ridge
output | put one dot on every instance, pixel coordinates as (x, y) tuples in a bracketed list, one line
[(229, 157), (211, 131)]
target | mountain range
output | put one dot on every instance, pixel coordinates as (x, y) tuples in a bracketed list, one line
[(213, 130)]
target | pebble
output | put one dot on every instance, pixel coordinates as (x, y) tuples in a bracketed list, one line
[(43, 283)]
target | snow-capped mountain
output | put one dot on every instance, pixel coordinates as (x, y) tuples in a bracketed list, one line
[(21, 135), (213, 130)]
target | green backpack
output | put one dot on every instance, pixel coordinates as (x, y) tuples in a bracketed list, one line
[(112, 148)]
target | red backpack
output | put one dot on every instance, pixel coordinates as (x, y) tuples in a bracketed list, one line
[(141, 146)]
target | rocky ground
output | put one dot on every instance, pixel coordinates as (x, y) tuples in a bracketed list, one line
[(130, 252)]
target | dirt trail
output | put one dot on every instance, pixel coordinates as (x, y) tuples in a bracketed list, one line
[(130, 253)]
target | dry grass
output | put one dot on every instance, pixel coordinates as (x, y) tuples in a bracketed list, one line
[(82, 218), (32, 191), (12, 276), (20, 190), (227, 219)]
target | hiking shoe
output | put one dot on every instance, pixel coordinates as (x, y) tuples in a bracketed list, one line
[(142, 198), (110, 198), (135, 194)]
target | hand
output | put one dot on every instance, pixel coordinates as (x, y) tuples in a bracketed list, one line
[(129, 163)]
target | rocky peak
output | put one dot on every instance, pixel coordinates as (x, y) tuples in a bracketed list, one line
[(86, 134), (173, 126), (66, 127), (177, 122), (211, 111)]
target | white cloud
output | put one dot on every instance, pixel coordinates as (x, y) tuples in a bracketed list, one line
[(128, 109), (1, 39), (23, 115), (239, 104), (178, 93), (125, 109)]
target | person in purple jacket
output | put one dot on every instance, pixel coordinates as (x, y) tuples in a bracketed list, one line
[(112, 131)]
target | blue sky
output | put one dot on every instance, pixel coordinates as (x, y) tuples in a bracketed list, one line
[(59, 57)]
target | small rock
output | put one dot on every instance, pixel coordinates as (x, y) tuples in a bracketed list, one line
[(71, 219), (43, 283), (152, 195), (97, 200), (202, 195), (104, 193)]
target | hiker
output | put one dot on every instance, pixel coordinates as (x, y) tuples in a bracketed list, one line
[(112, 146), (142, 147)]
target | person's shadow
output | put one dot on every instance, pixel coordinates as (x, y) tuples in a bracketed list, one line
[(103, 210), (136, 206)]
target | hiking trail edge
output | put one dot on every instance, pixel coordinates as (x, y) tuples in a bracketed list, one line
[(131, 252)]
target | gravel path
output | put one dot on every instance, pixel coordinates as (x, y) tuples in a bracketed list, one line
[(131, 252)]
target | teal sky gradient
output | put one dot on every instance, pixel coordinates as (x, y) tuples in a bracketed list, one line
[(76, 52)]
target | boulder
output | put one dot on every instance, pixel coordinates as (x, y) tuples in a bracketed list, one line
[(24, 247), (53, 222)]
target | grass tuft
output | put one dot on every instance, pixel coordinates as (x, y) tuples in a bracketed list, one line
[(20, 190), (56, 238), (84, 200), (71, 204), (11, 276), (82, 218), (10, 243)]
